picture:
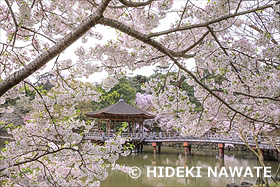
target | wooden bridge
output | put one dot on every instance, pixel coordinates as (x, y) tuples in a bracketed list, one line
[(157, 138), (123, 112)]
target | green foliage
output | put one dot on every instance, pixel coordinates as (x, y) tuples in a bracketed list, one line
[(137, 82), (124, 89), (123, 127), (11, 126)]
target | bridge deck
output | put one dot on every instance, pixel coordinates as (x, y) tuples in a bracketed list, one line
[(177, 137)]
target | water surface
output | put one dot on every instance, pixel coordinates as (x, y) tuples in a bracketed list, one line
[(174, 157)]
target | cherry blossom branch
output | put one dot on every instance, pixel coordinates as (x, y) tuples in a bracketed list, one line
[(33, 3), (15, 22), (211, 21), (48, 111), (12, 13), (36, 158), (202, 104), (151, 59), (60, 46), (144, 38), (50, 173), (231, 122), (23, 173), (216, 39), (238, 6), (196, 43), (182, 15), (252, 96), (38, 34), (140, 36), (272, 63)]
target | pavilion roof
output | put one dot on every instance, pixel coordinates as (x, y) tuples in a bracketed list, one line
[(120, 110)]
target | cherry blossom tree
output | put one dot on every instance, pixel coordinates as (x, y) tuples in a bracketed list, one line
[(235, 40)]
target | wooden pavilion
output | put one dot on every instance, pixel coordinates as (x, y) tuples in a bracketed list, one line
[(120, 112)]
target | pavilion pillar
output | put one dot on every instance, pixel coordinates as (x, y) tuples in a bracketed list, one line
[(100, 126), (133, 126), (115, 127), (128, 126), (108, 127)]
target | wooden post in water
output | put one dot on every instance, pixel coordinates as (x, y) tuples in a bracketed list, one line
[(154, 144), (136, 149), (187, 148), (141, 147), (275, 154), (221, 149)]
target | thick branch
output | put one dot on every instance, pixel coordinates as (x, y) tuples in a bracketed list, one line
[(48, 55), (135, 4)]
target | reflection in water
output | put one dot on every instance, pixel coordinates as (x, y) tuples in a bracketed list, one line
[(174, 157)]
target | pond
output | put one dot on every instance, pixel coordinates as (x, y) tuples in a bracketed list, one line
[(174, 157)]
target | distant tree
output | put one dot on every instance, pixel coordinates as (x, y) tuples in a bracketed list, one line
[(123, 89), (137, 82)]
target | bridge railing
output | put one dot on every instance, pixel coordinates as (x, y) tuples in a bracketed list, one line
[(102, 135), (158, 135), (171, 136)]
